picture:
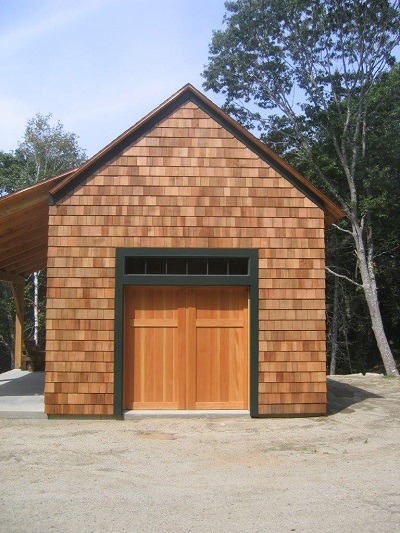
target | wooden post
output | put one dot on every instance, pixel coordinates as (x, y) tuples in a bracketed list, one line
[(18, 290)]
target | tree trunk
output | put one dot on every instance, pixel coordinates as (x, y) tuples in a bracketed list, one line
[(345, 322), (36, 307), (334, 329), (371, 295)]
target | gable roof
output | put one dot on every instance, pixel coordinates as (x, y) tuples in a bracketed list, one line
[(189, 93), (24, 215)]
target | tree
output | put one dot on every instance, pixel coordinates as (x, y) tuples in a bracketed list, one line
[(379, 194), (45, 150), (314, 62), (11, 167)]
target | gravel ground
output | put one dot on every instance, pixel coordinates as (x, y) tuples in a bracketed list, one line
[(338, 473)]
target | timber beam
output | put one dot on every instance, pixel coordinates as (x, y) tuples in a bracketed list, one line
[(12, 278), (18, 290)]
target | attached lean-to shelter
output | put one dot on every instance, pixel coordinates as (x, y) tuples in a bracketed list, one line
[(185, 270)]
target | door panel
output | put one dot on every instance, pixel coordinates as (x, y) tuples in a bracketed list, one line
[(221, 351), (186, 348), (152, 354)]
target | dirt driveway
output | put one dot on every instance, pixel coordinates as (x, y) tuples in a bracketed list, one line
[(338, 473)]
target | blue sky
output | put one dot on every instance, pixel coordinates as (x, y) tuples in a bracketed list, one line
[(98, 65)]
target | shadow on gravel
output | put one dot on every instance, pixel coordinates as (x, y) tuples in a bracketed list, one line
[(341, 396)]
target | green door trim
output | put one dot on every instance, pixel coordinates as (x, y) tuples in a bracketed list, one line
[(122, 279)]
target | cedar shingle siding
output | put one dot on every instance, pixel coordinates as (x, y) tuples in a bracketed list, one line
[(187, 183)]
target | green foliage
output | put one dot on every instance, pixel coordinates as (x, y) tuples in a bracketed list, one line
[(381, 198), (48, 150), (45, 150), (11, 168)]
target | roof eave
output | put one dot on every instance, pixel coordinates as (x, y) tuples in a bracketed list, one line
[(31, 194)]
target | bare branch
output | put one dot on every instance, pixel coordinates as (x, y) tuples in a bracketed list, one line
[(343, 277), (342, 229)]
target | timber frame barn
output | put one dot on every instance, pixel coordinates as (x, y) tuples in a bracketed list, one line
[(185, 270)]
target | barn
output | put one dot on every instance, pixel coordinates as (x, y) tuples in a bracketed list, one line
[(185, 271)]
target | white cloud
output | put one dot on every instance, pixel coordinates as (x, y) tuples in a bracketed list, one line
[(48, 20)]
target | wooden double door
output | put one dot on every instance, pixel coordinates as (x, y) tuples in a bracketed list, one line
[(186, 348)]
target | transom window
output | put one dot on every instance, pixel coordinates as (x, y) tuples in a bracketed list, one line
[(187, 266)]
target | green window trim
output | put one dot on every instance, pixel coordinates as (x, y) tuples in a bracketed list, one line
[(122, 279)]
